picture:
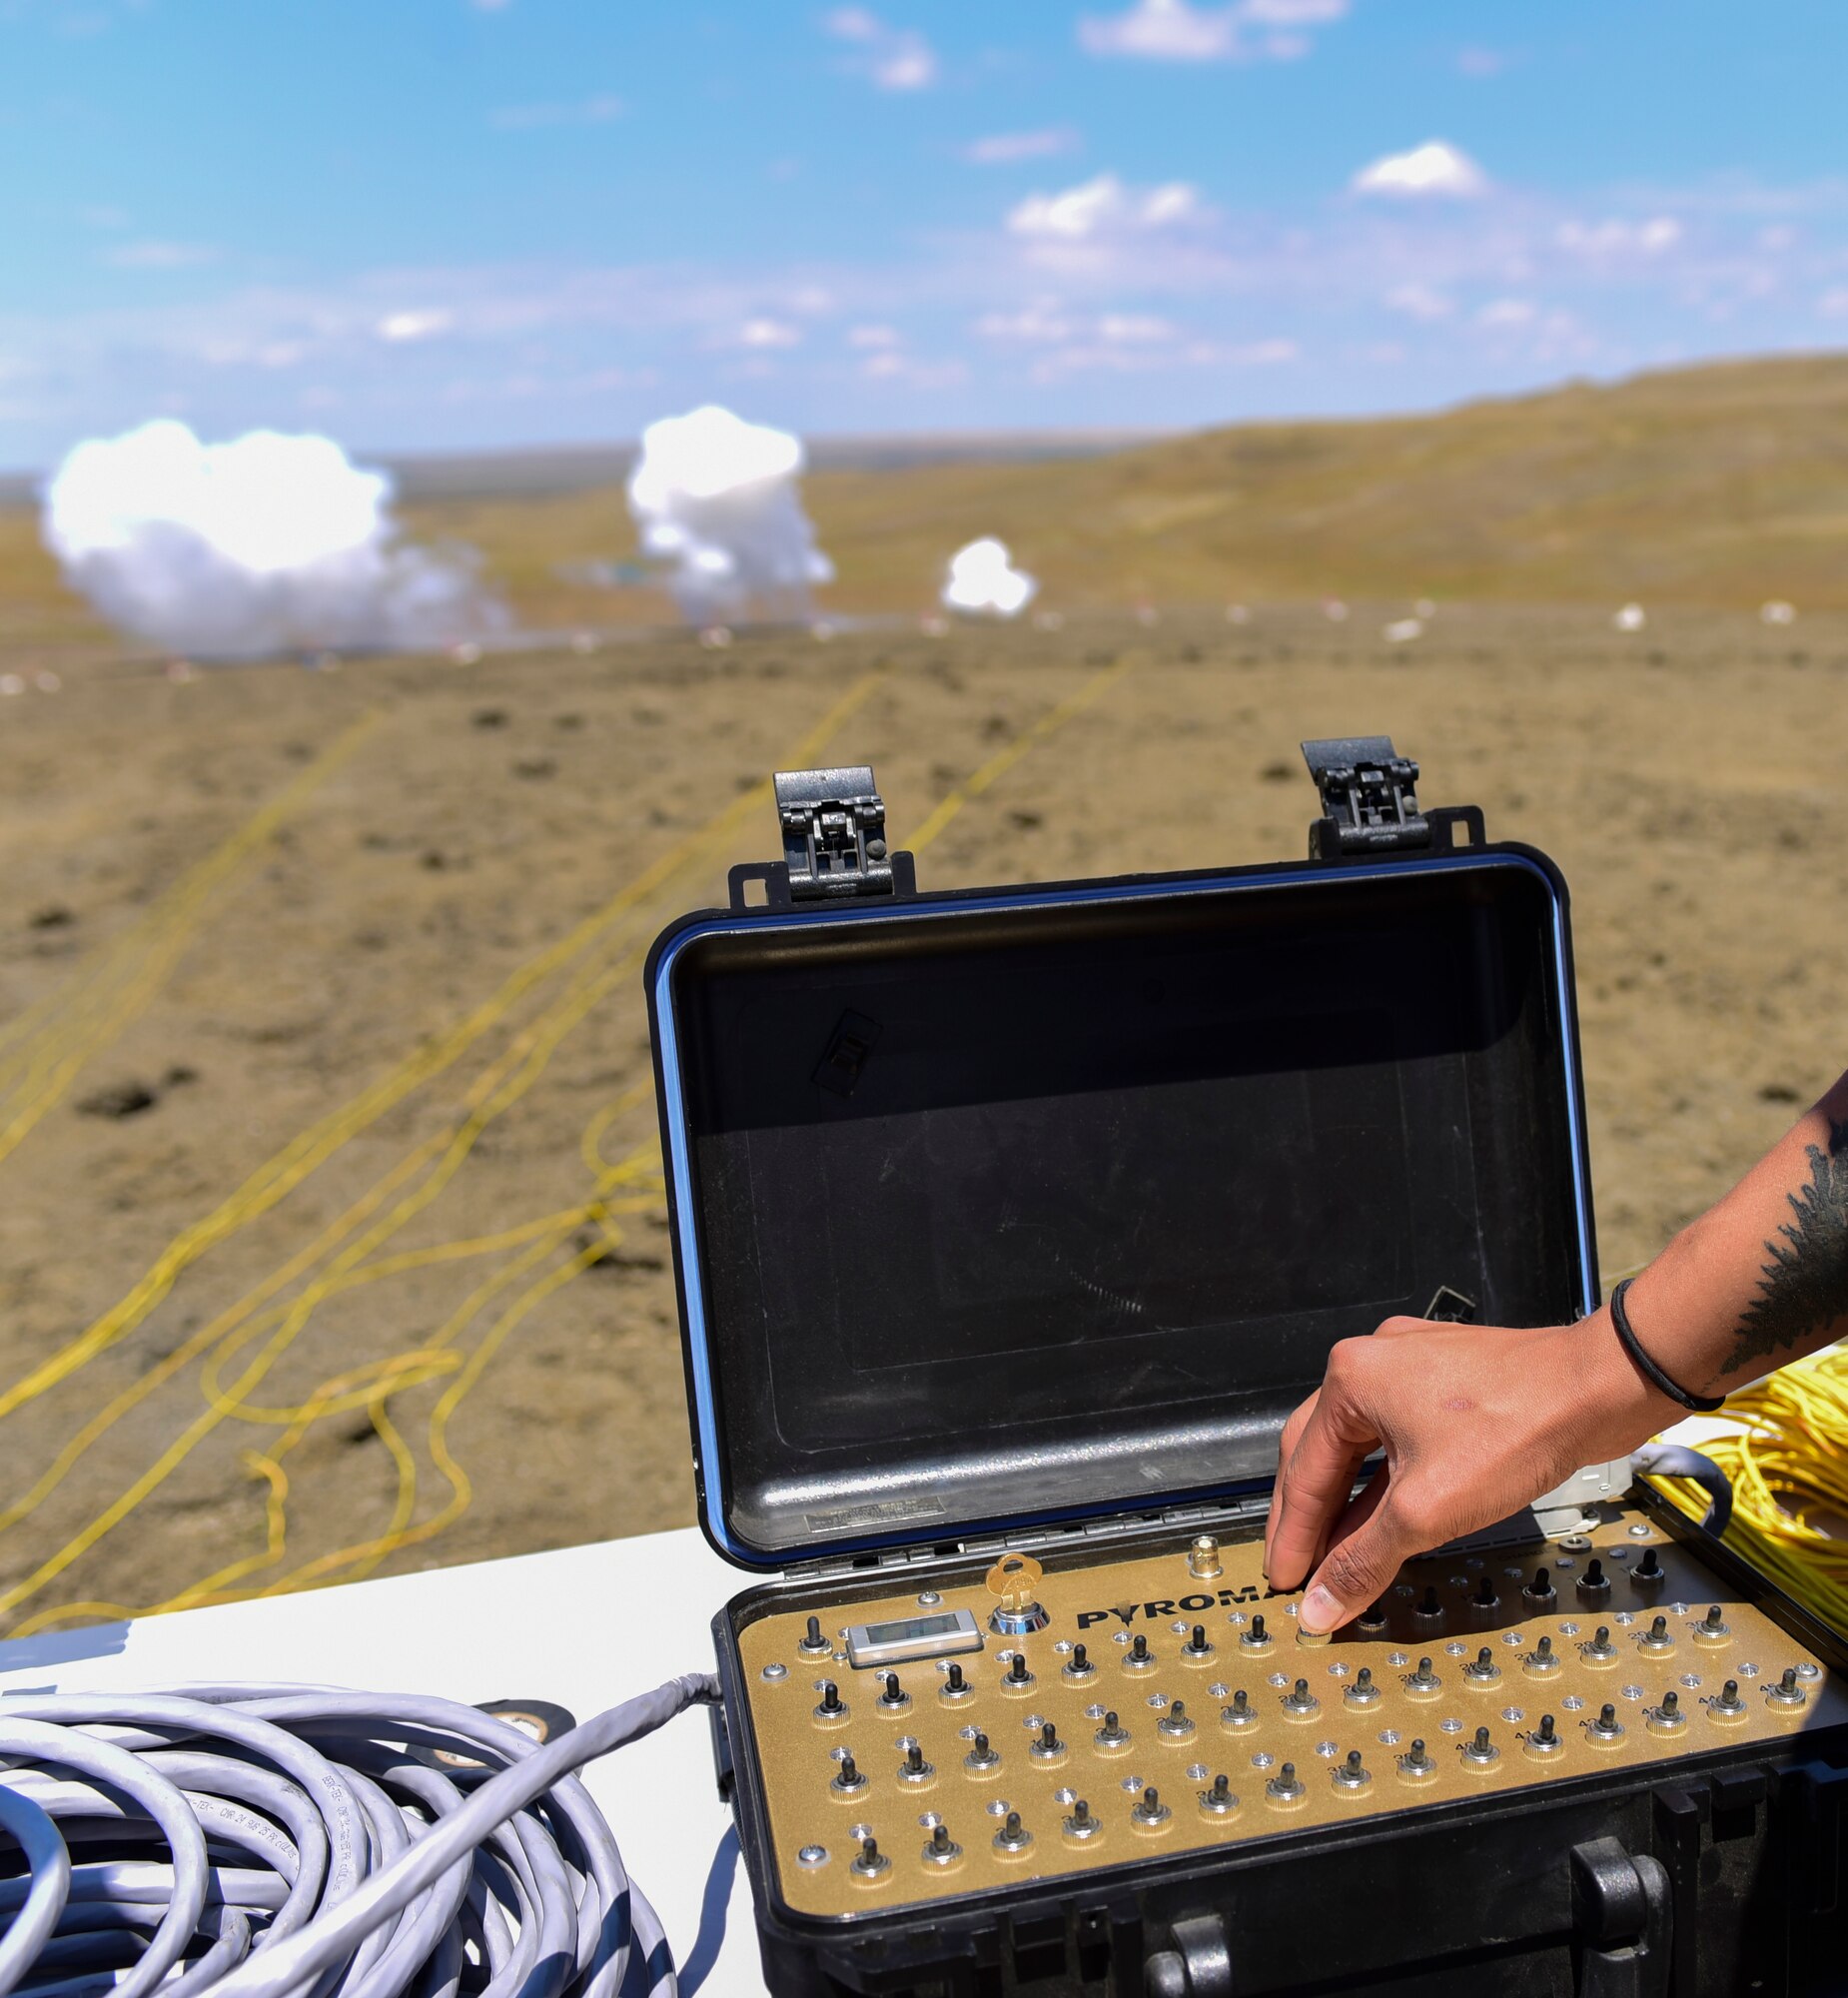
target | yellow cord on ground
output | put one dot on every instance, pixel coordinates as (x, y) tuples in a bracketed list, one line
[(280, 1174), (89, 1015), (380, 1378), (1003, 760)]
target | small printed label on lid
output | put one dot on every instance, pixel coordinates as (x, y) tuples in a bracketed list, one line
[(874, 1514)]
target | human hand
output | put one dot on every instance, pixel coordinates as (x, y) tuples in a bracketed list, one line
[(1475, 1420)]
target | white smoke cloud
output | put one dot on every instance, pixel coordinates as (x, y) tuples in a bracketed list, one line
[(983, 579), (717, 498), (265, 544)]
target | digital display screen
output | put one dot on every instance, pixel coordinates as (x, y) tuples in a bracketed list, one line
[(914, 1630)]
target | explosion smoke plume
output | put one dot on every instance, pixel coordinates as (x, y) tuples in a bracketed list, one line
[(265, 545), (983, 578), (717, 496)]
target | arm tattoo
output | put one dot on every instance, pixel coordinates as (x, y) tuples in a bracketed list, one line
[(1804, 1287)]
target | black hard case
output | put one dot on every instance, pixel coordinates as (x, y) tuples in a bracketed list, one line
[(1439, 965)]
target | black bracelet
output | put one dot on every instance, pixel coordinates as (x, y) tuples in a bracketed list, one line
[(1702, 1405)]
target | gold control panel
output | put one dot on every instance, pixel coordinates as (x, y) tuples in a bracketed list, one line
[(1162, 1704)]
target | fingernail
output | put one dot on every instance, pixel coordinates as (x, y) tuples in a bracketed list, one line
[(1319, 1610)]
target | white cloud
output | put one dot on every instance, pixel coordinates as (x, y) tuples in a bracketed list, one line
[(894, 58), (1619, 238), (1483, 63), (914, 373), (874, 337), (1502, 314), (1047, 323), (1002, 149), (1420, 301), (763, 335), (1094, 350), (408, 326), (1165, 30), (1296, 13), (1247, 354), (1133, 330), (1042, 321), (598, 110), (1177, 31), (1434, 167), (1103, 206), (1834, 302), (155, 256)]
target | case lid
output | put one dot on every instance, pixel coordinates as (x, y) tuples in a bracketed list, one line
[(1014, 1205)]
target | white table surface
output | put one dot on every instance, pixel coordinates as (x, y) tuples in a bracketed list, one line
[(585, 1628)]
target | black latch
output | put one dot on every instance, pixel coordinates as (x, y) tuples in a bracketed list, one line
[(1370, 799), (833, 828), (1622, 1922), (833, 832)]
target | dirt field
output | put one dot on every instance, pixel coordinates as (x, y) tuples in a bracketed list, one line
[(234, 1356)]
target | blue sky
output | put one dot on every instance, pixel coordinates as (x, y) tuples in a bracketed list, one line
[(455, 224)]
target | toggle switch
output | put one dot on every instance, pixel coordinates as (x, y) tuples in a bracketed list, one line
[(1219, 1801)]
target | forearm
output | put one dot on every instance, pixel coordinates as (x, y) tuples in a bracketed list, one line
[(1762, 1277)]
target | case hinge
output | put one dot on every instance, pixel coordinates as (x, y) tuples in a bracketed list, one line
[(1370, 799)]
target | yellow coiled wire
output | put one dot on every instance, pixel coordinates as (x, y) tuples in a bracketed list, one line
[(1789, 1471)]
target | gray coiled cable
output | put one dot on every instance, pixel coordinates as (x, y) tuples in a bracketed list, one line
[(290, 1842)]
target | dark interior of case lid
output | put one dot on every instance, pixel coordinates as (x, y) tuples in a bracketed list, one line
[(1057, 1209)]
